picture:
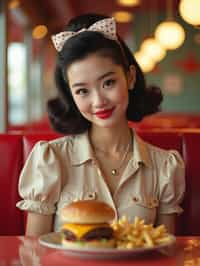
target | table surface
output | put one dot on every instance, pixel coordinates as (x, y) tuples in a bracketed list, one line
[(27, 251)]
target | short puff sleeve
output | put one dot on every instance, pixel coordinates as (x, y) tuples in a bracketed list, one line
[(172, 184), (40, 180)]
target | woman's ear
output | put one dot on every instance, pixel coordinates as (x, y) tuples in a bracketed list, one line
[(131, 77)]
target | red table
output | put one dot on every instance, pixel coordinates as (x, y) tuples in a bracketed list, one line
[(26, 251)]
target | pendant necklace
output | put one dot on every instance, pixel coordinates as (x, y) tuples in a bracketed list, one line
[(116, 171)]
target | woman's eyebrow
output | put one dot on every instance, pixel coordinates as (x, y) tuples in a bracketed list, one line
[(99, 78), (78, 84), (106, 75)]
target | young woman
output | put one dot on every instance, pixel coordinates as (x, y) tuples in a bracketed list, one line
[(101, 88)]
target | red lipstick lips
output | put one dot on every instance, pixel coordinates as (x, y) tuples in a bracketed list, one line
[(105, 113)]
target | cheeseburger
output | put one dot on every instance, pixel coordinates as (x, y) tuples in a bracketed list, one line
[(86, 224)]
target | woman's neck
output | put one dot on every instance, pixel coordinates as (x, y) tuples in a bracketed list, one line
[(110, 140)]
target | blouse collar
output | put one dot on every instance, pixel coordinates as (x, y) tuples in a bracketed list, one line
[(82, 151)]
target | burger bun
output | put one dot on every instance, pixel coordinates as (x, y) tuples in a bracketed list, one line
[(87, 212)]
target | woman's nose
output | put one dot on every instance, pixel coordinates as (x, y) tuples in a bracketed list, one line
[(99, 100)]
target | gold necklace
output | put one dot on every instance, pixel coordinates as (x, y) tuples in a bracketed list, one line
[(115, 171)]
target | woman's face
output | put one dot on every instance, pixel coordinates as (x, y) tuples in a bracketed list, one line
[(100, 89)]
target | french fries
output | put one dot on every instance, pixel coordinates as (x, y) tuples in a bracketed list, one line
[(138, 234)]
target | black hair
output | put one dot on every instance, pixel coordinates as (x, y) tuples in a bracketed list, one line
[(63, 112)]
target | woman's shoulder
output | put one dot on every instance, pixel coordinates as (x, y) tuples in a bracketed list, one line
[(53, 144), (61, 140), (67, 141)]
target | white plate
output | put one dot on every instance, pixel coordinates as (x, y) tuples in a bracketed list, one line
[(53, 240)]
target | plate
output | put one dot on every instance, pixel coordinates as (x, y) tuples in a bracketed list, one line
[(53, 240)]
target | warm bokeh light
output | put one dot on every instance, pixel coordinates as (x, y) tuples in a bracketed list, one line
[(39, 32), (190, 11), (122, 16), (170, 34), (13, 4), (154, 49), (146, 63), (129, 2)]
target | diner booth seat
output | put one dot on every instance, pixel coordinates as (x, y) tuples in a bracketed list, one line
[(14, 150)]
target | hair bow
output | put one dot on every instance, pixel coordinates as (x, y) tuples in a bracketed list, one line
[(105, 26)]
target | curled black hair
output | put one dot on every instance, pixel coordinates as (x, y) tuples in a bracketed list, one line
[(63, 112)]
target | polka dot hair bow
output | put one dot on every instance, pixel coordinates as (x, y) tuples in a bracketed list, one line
[(105, 26)]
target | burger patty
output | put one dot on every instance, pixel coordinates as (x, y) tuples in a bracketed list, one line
[(99, 233), (96, 234)]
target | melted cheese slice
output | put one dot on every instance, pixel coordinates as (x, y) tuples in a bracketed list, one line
[(81, 229)]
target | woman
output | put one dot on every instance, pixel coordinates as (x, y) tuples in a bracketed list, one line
[(100, 88)]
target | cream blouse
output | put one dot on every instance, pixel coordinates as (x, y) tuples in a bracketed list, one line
[(64, 170)]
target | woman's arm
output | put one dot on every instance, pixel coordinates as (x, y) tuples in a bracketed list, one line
[(38, 224), (168, 220)]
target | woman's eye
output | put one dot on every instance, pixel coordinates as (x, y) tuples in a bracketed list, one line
[(82, 92), (109, 83)]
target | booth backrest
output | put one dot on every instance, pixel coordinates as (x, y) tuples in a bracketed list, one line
[(191, 215), (14, 150), (10, 166)]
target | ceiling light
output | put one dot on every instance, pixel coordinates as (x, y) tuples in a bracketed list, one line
[(39, 32), (145, 62), (129, 2), (170, 34), (154, 49), (122, 16), (13, 4), (190, 11)]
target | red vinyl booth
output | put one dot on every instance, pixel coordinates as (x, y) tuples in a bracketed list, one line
[(10, 166), (191, 150)]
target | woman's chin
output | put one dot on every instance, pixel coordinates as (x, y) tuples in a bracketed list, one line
[(108, 124)]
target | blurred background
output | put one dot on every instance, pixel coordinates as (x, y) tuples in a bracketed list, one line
[(164, 36)]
